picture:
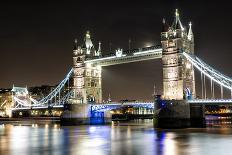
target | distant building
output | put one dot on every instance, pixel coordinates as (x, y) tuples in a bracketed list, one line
[(5, 102), (20, 96), (39, 92)]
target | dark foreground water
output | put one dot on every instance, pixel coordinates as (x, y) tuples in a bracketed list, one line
[(135, 137)]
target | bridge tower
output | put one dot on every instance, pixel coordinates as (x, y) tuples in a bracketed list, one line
[(178, 73), (87, 77)]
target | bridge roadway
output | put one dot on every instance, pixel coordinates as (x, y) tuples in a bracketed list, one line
[(147, 53), (148, 105), (211, 101), (96, 107)]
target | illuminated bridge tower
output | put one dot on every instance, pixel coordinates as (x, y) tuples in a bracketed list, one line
[(178, 73), (87, 77), (178, 78), (86, 86)]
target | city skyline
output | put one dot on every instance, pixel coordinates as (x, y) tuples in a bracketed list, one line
[(47, 44)]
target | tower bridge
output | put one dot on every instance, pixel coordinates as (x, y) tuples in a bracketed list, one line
[(178, 103)]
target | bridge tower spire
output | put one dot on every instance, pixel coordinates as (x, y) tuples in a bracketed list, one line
[(88, 44), (178, 73), (190, 32), (98, 52)]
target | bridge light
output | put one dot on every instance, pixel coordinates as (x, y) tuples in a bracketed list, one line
[(188, 66), (98, 67), (148, 44), (88, 65), (174, 33), (119, 52)]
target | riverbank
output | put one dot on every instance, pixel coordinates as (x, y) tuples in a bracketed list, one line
[(28, 118)]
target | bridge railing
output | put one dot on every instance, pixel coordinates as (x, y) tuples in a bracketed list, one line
[(210, 101)]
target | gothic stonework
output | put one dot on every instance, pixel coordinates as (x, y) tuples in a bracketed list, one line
[(178, 73), (87, 77)]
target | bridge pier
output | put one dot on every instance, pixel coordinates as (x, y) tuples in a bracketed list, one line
[(75, 114), (100, 118), (178, 114), (197, 115), (171, 114), (82, 114)]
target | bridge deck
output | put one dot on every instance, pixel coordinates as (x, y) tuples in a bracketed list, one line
[(211, 101), (151, 53)]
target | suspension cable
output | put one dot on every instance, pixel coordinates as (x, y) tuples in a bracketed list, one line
[(213, 91), (221, 92), (211, 88), (202, 88), (205, 87)]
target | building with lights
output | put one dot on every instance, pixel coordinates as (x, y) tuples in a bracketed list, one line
[(178, 73), (39, 92), (5, 102), (87, 77)]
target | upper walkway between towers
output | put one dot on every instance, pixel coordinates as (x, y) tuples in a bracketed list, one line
[(120, 57)]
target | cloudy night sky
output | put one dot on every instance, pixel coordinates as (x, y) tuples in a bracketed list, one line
[(36, 40)]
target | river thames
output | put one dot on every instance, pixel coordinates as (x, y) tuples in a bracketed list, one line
[(134, 137)]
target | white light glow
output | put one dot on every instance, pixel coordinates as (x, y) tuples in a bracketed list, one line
[(221, 80), (118, 53), (100, 59), (159, 51)]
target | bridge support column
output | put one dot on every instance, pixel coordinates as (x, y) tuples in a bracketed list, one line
[(197, 115), (171, 114), (178, 114), (81, 114), (100, 118), (76, 114)]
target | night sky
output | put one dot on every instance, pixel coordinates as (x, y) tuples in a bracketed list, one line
[(36, 40)]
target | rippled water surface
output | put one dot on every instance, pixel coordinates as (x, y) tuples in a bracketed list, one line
[(135, 137)]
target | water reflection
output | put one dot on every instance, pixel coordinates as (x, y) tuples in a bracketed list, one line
[(137, 137)]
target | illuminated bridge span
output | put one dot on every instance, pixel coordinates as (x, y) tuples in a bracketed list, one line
[(155, 53), (22, 99), (111, 106), (141, 54), (211, 101), (97, 107), (179, 61)]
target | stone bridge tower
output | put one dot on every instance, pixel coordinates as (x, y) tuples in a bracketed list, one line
[(178, 73), (86, 78)]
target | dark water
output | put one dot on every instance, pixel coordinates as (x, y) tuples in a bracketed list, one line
[(135, 137)]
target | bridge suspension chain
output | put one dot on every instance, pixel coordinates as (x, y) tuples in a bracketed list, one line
[(57, 90), (51, 96), (212, 74)]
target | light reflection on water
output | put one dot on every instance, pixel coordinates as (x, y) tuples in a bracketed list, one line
[(135, 137)]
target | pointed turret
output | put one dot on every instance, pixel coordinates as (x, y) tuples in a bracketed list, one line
[(88, 43), (165, 26), (177, 23), (190, 32), (98, 53), (75, 45), (75, 48), (154, 93), (109, 98)]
